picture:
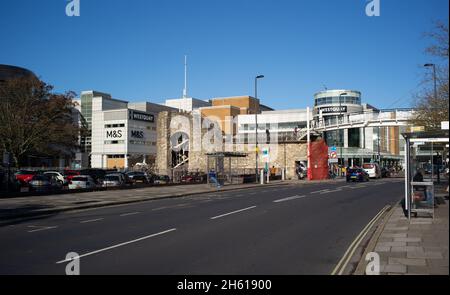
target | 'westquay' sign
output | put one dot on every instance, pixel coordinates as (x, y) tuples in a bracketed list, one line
[(138, 116), (336, 109)]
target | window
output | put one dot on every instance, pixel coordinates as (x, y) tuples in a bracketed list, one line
[(114, 125)]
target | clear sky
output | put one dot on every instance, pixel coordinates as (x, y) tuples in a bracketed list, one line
[(135, 50)]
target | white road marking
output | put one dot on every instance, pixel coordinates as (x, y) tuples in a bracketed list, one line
[(237, 211), (91, 220), (160, 208), (357, 186), (318, 192), (333, 191), (128, 214), (344, 186), (41, 228), (289, 199), (118, 245)]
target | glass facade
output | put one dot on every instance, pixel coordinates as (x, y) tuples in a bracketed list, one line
[(335, 100), (334, 137), (354, 137), (86, 112), (279, 126)]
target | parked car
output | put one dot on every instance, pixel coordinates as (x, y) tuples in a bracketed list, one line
[(24, 176), (385, 172), (123, 176), (69, 174), (138, 177), (373, 169), (193, 177), (59, 177), (96, 173), (188, 178), (82, 182), (43, 183), (113, 180), (357, 174), (161, 179)]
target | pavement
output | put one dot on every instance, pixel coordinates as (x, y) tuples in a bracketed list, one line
[(296, 228), (416, 247)]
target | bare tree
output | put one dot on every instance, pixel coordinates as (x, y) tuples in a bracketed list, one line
[(431, 110), (35, 120)]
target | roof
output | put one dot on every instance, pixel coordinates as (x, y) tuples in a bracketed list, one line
[(11, 72), (435, 134)]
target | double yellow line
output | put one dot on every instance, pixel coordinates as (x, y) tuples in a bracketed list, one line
[(341, 266)]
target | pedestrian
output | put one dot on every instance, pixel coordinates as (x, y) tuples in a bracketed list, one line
[(213, 178)]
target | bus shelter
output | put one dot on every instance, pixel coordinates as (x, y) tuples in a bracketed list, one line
[(225, 166), (426, 157)]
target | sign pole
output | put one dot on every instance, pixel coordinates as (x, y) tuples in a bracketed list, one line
[(308, 144)]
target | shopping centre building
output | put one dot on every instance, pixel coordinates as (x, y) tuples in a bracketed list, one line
[(120, 133), (124, 133)]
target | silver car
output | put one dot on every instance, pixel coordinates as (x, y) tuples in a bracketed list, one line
[(82, 182), (113, 180)]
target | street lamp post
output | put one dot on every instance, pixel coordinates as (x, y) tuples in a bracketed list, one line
[(256, 126), (339, 132), (435, 97)]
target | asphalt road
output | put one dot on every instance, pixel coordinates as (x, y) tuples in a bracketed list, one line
[(292, 229)]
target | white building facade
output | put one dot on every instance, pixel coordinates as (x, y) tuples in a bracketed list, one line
[(122, 133), (187, 104)]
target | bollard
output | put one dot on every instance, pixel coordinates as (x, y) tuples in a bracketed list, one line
[(283, 175), (262, 176), (268, 176)]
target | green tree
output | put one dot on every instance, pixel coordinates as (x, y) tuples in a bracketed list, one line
[(33, 119)]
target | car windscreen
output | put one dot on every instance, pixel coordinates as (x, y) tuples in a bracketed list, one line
[(79, 179)]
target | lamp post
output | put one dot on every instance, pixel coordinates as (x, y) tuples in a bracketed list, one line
[(435, 97), (256, 126), (339, 131)]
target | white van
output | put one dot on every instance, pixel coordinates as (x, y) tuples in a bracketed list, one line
[(373, 169)]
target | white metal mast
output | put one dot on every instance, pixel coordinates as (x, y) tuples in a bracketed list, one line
[(185, 77)]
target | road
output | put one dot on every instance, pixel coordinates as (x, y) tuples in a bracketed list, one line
[(291, 229)]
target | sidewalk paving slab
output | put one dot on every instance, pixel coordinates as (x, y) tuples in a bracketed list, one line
[(419, 247)]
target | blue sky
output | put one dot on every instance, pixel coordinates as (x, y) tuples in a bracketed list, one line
[(135, 49)]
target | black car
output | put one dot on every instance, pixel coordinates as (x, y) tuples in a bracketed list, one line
[(96, 174), (138, 177), (385, 172), (357, 174)]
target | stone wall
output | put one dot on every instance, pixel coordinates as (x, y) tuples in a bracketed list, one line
[(281, 155)]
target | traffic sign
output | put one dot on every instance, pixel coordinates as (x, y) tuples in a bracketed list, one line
[(333, 149), (333, 155)]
